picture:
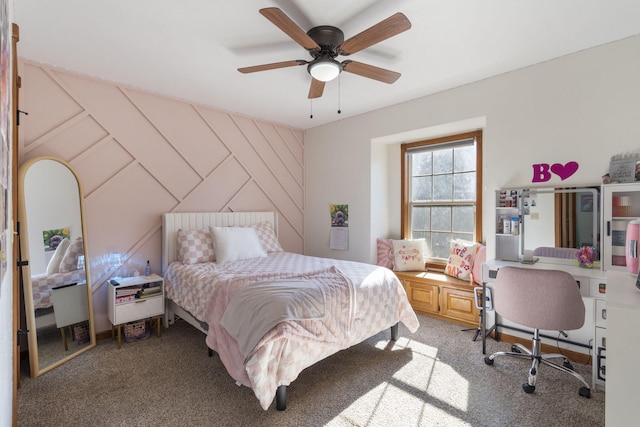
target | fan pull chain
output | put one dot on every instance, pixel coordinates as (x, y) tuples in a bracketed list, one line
[(339, 110), (311, 108)]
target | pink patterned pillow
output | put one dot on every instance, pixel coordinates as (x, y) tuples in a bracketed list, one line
[(481, 256), (70, 260), (195, 246), (461, 256), (385, 253), (267, 237)]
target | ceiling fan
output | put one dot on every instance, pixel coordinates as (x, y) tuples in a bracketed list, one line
[(325, 42)]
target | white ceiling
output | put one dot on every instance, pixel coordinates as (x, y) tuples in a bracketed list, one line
[(191, 49)]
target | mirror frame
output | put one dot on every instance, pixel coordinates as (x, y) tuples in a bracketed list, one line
[(35, 369)]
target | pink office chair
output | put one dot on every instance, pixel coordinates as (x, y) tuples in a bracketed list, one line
[(539, 299)]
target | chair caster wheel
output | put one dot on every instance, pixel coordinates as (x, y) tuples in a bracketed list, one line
[(585, 392), (515, 349), (528, 388), (568, 365), (488, 360)]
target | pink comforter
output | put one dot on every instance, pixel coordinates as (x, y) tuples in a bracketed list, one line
[(376, 302)]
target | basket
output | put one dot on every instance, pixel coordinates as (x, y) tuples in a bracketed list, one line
[(81, 333), (134, 331)]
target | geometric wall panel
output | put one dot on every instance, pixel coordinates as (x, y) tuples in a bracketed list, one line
[(139, 155)]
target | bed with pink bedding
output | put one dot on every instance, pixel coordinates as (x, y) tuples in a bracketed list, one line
[(43, 283), (302, 309)]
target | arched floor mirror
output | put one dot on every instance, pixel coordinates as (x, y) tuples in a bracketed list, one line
[(55, 271)]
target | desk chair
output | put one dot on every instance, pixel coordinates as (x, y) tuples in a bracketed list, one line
[(539, 299)]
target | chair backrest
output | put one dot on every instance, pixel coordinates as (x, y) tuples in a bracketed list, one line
[(538, 298)]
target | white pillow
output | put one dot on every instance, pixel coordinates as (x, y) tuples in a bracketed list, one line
[(54, 263), (408, 255), (236, 243)]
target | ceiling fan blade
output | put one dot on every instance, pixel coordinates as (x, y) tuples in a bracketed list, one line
[(369, 71), (316, 89), (272, 66), (383, 30), (290, 28)]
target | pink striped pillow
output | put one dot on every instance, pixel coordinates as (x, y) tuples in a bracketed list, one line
[(481, 256), (385, 253)]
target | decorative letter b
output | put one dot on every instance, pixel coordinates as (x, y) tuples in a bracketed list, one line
[(541, 173)]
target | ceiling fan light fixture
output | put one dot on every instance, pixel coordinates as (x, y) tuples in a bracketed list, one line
[(325, 69)]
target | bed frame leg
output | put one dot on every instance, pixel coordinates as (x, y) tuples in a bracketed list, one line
[(281, 398), (394, 332)]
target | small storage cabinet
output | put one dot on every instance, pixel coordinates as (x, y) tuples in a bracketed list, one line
[(441, 296), (135, 298)]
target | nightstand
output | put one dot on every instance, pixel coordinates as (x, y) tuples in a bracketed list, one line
[(135, 298)]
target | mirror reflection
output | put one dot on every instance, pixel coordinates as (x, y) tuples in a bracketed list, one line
[(556, 222), (56, 279)]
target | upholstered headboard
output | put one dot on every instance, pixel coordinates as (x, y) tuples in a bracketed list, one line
[(172, 222)]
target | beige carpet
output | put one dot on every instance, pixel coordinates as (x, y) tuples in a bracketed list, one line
[(435, 377)]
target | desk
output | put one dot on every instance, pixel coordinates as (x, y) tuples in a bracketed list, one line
[(623, 324), (585, 340)]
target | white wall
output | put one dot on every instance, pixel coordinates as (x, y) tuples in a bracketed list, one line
[(582, 107), (6, 284)]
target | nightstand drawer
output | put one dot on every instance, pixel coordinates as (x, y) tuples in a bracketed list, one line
[(139, 309)]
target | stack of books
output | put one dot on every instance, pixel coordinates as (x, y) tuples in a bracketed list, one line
[(150, 290), (126, 294)]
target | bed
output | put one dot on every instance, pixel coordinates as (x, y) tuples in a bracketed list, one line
[(42, 284), (61, 270), (315, 306)]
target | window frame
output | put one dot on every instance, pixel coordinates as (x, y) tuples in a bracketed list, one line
[(438, 263)]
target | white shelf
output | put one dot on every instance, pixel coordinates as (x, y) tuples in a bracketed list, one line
[(139, 308)]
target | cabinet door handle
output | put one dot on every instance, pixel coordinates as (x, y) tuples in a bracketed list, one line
[(604, 313), (138, 301), (632, 249)]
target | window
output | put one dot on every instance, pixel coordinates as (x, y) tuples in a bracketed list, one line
[(441, 194)]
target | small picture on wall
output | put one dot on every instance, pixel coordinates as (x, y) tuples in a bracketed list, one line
[(625, 170), (52, 238), (586, 203), (339, 215)]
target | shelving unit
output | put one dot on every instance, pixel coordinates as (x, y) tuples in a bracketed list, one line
[(621, 205), (135, 298), (508, 241)]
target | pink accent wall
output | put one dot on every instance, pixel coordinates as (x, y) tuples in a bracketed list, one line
[(140, 154)]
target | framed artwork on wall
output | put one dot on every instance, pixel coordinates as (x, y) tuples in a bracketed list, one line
[(624, 170)]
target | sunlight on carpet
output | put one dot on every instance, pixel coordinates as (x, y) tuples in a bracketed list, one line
[(427, 388)]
